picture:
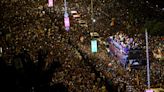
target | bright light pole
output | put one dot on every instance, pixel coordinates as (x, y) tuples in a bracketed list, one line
[(93, 40), (92, 16), (147, 58)]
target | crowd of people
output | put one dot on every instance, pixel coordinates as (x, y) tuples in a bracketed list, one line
[(125, 41), (137, 77), (31, 26), (158, 51)]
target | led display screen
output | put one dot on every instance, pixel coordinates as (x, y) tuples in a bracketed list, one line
[(94, 46)]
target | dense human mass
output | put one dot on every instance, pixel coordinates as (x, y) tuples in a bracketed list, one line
[(41, 56)]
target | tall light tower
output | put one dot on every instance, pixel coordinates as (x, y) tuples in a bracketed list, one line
[(66, 17)]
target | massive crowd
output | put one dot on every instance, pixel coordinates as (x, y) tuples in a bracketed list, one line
[(35, 27)]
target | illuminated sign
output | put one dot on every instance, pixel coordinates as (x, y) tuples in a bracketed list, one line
[(94, 46), (50, 3), (66, 22), (149, 90)]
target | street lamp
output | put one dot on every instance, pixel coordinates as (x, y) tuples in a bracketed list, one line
[(93, 20), (94, 45), (92, 16)]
